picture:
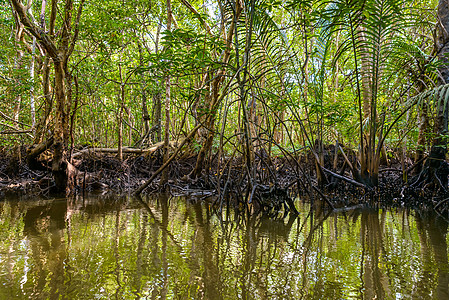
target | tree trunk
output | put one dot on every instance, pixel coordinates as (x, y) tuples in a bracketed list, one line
[(145, 115), (120, 123), (436, 169), (423, 125), (157, 103), (437, 157), (32, 100), (18, 66), (42, 124), (59, 165), (165, 173), (157, 116), (441, 121), (214, 100), (59, 50)]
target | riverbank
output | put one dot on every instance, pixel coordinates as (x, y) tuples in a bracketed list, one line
[(273, 183)]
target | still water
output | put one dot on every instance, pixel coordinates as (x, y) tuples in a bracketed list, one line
[(173, 248)]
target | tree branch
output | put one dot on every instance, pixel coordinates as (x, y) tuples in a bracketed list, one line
[(195, 12), (40, 35), (76, 31)]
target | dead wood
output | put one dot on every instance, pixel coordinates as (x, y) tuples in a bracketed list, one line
[(147, 151), (35, 150), (349, 180), (15, 131), (155, 174)]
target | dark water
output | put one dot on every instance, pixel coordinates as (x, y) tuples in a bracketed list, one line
[(121, 248)]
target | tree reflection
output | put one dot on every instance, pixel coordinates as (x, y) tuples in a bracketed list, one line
[(205, 254), (432, 232), (374, 278), (163, 200), (168, 248), (44, 229)]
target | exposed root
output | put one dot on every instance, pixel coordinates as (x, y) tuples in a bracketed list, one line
[(273, 185)]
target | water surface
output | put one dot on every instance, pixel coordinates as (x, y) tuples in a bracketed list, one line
[(161, 248)]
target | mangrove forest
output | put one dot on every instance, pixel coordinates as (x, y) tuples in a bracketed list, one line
[(224, 149), (252, 102)]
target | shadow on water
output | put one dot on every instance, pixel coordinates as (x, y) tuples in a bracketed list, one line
[(170, 248)]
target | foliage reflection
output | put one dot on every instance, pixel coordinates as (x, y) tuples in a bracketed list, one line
[(169, 248)]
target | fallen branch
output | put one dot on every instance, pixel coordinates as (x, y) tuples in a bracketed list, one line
[(147, 151), (15, 131), (147, 183), (390, 170), (349, 180), (106, 150), (34, 151)]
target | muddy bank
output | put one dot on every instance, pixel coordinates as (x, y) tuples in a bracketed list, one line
[(271, 185)]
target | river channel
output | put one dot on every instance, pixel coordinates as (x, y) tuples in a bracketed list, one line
[(176, 248)]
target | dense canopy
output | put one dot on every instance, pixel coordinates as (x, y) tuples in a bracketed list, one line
[(222, 80)]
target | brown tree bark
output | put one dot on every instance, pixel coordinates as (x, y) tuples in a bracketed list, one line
[(164, 177), (436, 169), (215, 99), (145, 114), (437, 158), (157, 103), (441, 121), (59, 53), (423, 125)]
